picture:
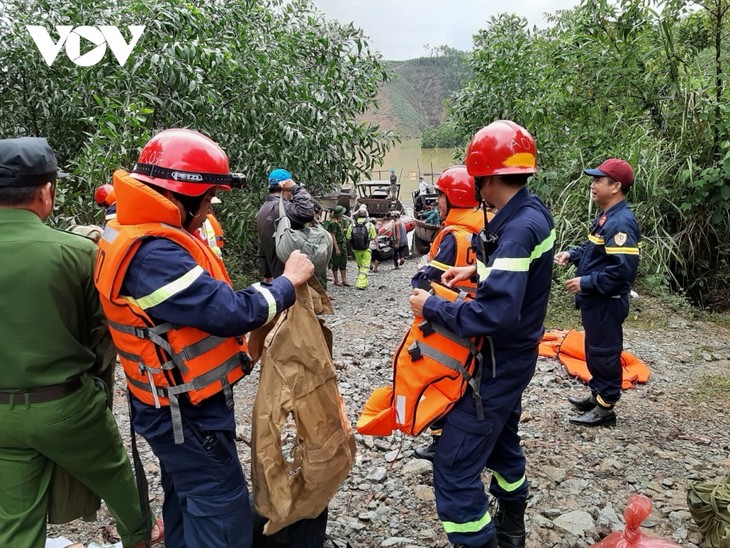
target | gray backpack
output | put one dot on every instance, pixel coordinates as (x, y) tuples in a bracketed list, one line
[(314, 241)]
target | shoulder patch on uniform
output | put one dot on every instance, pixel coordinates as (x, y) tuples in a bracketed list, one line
[(620, 238)]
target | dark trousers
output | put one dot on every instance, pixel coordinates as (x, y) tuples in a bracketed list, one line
[(206, 498), (305, 533), (396, 255), (468, 445), (603, 325)]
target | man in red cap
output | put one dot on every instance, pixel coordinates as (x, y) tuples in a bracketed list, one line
[(607, 263)]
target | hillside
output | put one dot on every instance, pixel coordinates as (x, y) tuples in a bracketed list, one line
[(414, 96)]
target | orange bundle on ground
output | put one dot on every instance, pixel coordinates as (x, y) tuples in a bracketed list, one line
[(569, 348)]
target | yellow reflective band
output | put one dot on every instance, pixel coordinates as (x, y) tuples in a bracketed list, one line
[(470, 527), (165, 292), (596, 239), (622, 250), (504, 484), (482, 271), (439, 265), (511, 265), (546, 245), (269, 300)]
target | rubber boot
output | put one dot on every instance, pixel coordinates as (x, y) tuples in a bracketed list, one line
[(509, 522)]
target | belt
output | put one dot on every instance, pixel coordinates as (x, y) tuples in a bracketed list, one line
[(42, 394)]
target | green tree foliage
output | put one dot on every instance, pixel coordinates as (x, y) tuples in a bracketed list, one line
[(446, 135), (638, 79), (274, 83)]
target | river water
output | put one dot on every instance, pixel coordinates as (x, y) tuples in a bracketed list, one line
[(408, 159)]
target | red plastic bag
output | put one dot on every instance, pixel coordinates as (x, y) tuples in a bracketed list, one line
[(638, 509)]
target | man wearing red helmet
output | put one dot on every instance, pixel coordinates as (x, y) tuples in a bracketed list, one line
[(458, 207), (607, 264), (106, 198), (514, 269), (179, 329)]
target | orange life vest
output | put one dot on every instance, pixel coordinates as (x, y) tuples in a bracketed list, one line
[(431, 369), (161, 362), (217, 230), (463, 224)]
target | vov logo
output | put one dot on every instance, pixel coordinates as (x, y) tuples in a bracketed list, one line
[(101, 37)]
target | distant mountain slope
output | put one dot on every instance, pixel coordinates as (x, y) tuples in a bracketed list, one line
[(413, 98)]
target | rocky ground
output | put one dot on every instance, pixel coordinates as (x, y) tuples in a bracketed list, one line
[(670, 432)]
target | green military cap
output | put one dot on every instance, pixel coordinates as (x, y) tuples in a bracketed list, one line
[(27, 161)]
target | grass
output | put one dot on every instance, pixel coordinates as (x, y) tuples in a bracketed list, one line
[(713, 389)]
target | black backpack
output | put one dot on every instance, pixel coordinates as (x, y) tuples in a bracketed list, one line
[(360, 237)]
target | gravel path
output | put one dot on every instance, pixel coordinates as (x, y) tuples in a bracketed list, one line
[(670, 432)]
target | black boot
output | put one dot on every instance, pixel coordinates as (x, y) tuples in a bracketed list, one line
[(583, 404), (509, 521), (598, 416), (492, 543), (427, 452)]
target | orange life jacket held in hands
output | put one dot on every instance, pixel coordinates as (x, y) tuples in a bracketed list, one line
[(432, 368)]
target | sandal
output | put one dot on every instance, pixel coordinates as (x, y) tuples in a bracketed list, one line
[(157, 535), (346, 284), (337, 283)]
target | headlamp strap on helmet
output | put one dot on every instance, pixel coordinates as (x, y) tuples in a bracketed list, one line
[(152, 170)]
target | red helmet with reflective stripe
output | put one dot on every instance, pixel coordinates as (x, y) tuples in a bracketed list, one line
[(501, 148), (183, 161), (458, 186), (104, 195)]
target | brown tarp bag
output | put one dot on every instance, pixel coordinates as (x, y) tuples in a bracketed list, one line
[(298, 382)]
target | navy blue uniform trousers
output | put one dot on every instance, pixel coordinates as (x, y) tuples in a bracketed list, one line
[(468, 445), (603, 324), (206, 498)]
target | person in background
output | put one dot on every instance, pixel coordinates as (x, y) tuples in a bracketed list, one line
[(52, 412), (211, 232), (607, 264), (338, 226), (362, 252), (105, 197), (180, 330), (393, 185), (506, 316), (400, 239), (432, 217), (452, 246), (299, 207), (317, 221)]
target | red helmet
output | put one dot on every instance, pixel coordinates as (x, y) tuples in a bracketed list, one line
[(501, 148), (184, 161), (458, 186), (104, 195)]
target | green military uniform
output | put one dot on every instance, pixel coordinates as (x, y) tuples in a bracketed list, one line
[(51, 410)]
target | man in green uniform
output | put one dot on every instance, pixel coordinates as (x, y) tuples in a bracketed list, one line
[(51, 410)]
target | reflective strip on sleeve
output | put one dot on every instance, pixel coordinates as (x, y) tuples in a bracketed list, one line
[(544, 246), (507, 486), (596, 239), (520, 264), (511, 265), (165, 292), (269, 299), (622, 250), (469, 527), (482, 271), (440, 265)]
